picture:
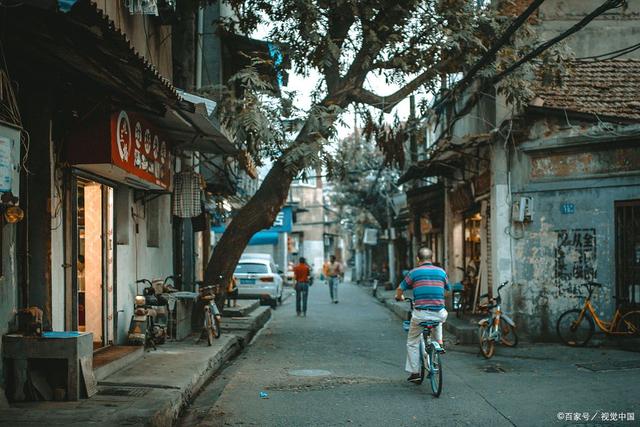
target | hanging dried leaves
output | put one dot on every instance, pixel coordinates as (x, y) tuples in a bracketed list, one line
[(390, 139)]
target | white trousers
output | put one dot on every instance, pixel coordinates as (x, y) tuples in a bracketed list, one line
[(415, 335)]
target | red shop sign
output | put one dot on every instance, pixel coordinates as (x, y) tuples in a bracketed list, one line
[(138, 148)]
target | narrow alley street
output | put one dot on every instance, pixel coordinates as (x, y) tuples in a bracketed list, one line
[(343, 365)]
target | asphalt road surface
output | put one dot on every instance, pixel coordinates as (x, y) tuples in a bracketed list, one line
[(343, 365)]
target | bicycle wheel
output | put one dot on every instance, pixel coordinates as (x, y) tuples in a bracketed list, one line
[(461, 305), (208, 327), (435, 370), (487, 345), (572, 332), (509, 337), (630, 324)]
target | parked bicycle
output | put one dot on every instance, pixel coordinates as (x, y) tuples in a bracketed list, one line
[(497, 328), (211, 319), (462, 292), (576, 327), (430, 352)]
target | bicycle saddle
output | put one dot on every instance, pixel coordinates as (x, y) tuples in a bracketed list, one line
[(429, 324)]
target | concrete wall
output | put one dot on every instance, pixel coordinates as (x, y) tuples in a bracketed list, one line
[(614, 30), (146, 35), (135, 260), (555, 253)]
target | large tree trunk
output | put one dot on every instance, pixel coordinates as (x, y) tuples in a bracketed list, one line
[(258, 214)]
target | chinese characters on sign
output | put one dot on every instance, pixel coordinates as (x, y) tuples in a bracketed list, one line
[(140, 149), (575, 258)]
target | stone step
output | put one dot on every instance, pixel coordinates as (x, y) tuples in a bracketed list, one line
[(465, 329), (112, 359), (242, 310)]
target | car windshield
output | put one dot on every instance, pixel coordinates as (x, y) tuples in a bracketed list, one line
[(251, 268)]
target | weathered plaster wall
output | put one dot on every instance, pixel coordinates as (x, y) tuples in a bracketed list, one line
[(136, 260), (614, 30), (557, 252)]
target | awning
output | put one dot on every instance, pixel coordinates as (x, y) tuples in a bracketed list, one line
[(86, 46), (264, 238), (203, 132), (446, 158)]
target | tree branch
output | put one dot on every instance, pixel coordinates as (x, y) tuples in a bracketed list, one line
[(388, 102)]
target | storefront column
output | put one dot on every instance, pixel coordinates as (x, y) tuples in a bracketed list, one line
[(35, 196), (500, 216)]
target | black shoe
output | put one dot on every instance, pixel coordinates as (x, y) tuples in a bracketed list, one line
[(414, 378), (335, 302)]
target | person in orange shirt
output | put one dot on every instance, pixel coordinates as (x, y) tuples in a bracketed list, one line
[(302, 273)]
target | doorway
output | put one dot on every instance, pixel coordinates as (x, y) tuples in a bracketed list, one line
[(627, 223), (94, 263)]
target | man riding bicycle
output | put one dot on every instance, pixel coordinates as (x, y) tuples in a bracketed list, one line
[(429, 284)]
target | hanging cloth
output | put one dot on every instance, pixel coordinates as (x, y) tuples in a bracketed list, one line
[(186, 195)]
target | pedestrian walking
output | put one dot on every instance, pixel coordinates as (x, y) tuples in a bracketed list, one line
[(232, 292), (334, 272), (302, 274), (429, 284)]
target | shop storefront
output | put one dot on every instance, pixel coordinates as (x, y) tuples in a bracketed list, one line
[(115, 152)]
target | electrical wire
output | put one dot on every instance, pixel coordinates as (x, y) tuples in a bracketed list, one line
[(616, 53)]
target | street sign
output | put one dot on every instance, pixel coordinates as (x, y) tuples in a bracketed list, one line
[(567, 208)]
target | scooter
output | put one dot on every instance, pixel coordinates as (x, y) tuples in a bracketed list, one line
[(146, 326)]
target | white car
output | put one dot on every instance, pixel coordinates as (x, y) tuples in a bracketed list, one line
[(258, 277)]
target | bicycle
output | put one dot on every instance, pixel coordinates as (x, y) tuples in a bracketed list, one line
[(498, 327), (430, 352), (575, 327), (461, 295), (211, 323)]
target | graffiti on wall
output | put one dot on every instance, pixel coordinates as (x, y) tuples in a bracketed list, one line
[(575, 259)]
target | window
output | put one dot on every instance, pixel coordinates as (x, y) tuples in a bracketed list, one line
[(153, 222), (251, 268)]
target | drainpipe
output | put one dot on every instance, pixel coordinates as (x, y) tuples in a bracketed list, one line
[(199, 47)]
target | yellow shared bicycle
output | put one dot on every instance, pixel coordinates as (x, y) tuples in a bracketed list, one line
[(576, 327)]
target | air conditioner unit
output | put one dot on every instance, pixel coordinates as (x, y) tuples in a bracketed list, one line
[(522, 209)]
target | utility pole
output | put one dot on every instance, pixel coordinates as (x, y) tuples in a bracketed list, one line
[(413, 155), (391, 250), (359, 262)]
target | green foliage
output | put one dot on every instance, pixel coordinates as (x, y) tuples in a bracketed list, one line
[(409, 43)]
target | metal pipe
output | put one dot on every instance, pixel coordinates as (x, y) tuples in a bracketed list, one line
[(199, 47)]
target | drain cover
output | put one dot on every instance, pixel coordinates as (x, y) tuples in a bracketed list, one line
[(615, 365), (310, 373), (117, 391)]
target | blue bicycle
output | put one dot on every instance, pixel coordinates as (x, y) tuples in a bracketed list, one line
[(430, 352)]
